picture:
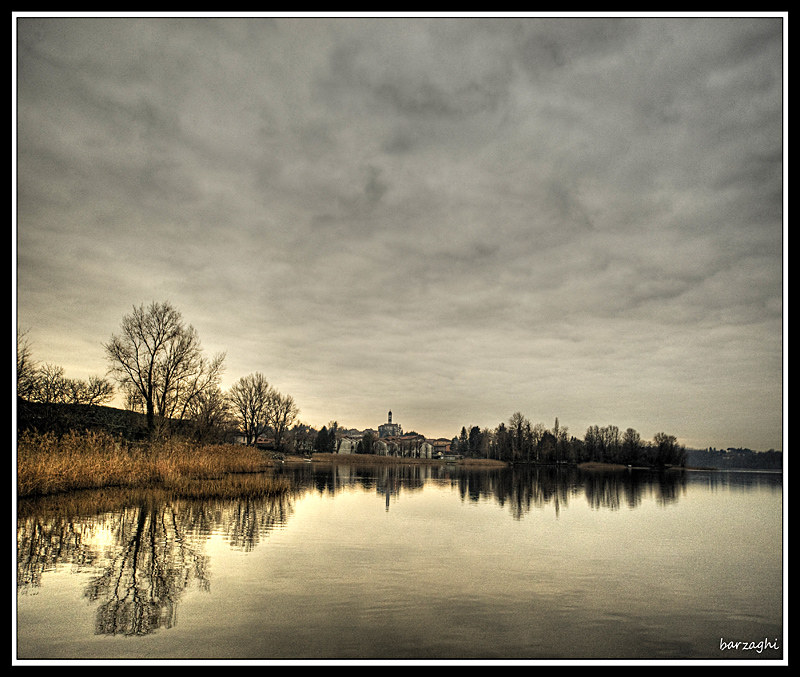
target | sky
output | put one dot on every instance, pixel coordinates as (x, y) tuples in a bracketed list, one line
[(455, 218)]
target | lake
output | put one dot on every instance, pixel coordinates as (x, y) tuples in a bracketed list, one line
[(411, 562)]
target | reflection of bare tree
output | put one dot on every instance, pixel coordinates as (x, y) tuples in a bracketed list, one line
[(149, 550), (604, 490), (670, 485), (42, 544), (243, 522), (140, 587)]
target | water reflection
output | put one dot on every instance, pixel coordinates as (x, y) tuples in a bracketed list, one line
[(144, 550), (520, 488), (147, 548), (142, 582)]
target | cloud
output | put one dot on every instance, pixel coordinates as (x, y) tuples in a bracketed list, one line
[(454, 218)]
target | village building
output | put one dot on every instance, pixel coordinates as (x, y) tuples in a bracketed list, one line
[(390, 429), (390, 441), (348, 445)]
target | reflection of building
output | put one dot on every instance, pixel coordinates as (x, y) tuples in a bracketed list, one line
[(390, 429)]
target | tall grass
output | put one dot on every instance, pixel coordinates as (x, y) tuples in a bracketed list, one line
[(47, 464)]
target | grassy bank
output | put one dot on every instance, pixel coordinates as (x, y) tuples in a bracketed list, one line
[(47, 464)]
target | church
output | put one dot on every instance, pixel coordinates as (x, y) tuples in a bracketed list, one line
[(390, 429)]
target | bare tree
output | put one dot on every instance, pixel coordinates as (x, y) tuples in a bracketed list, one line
[(518, 424), (211, 416), (668, 451), (249, 398), (612, 443), (26, 367), (93, 392), (631, 446), (537, 434), (159, 359), (592, 444), (51, 386), (561, 437)]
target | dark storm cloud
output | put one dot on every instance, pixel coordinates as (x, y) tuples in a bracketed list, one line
[(510, 212)]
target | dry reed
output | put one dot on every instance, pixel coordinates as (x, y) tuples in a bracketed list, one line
[(47, 464)]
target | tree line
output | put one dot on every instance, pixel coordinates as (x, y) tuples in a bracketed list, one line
[(520, 441), (159, 367)]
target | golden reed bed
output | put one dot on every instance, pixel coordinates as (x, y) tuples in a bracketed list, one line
[(47, 464)]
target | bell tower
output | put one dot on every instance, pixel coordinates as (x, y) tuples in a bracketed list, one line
[(390, 429)]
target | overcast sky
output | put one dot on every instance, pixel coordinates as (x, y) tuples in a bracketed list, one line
[(452, 218)]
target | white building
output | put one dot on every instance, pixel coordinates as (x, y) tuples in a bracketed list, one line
[(390, 429), (347, 446)]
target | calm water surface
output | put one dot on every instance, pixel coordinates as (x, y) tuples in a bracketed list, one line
[(412, 562)]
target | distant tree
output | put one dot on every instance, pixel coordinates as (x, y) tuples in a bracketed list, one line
[(159, 358), (667, 451), (592, 444), (302, 437), (537, 433), (95, 391), (249, 400), (503, 442), (44, 391), (518, 426), (612, 443), (322, 445), (575, 449), (366, 444), (474, 441), (212, 417), (50, 386), (547, 447), (560, 441), (282, 412), (463, 442), (631, 447), (26, 366), (485, 443), (333, 434)]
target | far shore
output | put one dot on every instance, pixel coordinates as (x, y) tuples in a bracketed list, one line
[(595, 465), (372, 458), (472, 462), (49, 465)]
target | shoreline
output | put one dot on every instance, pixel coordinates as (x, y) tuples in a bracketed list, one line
[(373, 458)]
